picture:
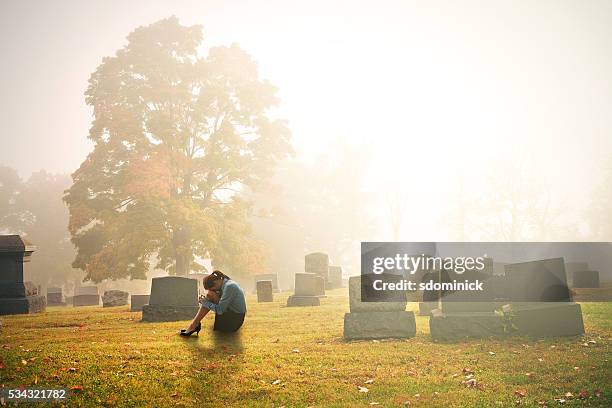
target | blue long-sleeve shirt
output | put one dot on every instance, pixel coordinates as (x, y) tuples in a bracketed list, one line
[(232, 298)]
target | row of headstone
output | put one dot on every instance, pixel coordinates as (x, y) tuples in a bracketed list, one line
[(532, 298)]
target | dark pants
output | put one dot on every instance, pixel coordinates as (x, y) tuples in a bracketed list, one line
[(228, 321)]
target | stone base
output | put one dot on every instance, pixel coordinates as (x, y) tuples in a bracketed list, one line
[(85, 300), (112, 298), (425, 308), (22, 305), (548, 319), (303, 301), (461, 326), (543, 319), (137, 302), (379, 325), (157, 313)]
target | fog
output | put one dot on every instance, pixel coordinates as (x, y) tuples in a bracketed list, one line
[(471, 121)]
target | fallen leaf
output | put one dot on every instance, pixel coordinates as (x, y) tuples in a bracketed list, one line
[(2, 365), (362, 389), (520, 393), (560, 400), (24, 362), (530, 375), (466, 371), (276, 382), (73, 369), (295, 350), (275, 341), (583, 394), (176, 394), (491, 353), (77, 388), (370, 381), (417, 395), (374, 403), (598, 393)]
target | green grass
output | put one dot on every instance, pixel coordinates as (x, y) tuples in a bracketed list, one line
[(120, 361)]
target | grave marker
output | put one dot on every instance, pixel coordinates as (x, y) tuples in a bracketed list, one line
[(17, 296)]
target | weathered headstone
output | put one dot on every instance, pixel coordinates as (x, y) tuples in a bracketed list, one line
[(113, 298), (308, 288), (538, 281), (17, 296), (268, 277), (86, 296), (172, 298), (335, 277), (137, 302), (376, 320), (264, 291), (586, 279), (317, 263), (55, 297)]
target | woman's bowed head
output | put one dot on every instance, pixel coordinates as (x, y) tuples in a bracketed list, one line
[(224, 297)]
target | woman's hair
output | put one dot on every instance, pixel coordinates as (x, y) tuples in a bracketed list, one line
[(210, 280)]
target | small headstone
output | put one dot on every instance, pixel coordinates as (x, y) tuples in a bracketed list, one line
[(113, 298), (137, 302), (572, 267), (17, 296), (268, 277), (309, 284), (317, 263), (376, 320), (55, 297), (86, 296), (264, 291), (586, 279), (335, 277), (172, 298), (308, 288)]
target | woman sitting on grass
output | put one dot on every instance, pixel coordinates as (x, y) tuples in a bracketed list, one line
[(224, 297)]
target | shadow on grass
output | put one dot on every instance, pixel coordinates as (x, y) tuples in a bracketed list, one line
[(218, 362)]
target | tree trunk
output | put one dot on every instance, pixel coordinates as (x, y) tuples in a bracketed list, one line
[(182, 251)]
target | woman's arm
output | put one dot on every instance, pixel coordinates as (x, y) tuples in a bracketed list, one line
[(226, 299)]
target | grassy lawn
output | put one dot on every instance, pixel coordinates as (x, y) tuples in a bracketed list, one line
[(296, 357)]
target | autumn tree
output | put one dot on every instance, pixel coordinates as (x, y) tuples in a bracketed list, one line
[(175, 135)]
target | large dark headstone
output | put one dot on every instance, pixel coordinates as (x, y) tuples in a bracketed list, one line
[(586, 279), (172, 298), (17, 296), (538, 281)]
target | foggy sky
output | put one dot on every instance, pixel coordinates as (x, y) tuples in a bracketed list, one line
[(458, 84)]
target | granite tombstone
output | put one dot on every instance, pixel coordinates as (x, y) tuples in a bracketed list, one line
[(16, 295), (172, 298)]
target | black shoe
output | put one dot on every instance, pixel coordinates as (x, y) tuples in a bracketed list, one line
[(186, 333)]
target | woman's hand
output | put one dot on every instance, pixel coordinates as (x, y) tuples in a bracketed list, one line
[(212, 296)]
